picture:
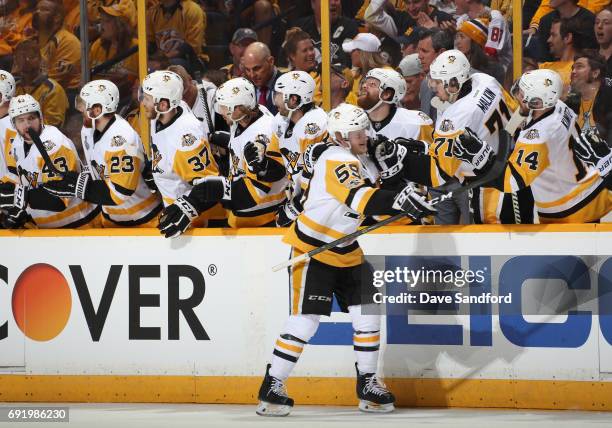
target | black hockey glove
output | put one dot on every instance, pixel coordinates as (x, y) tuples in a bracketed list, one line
[(220, 139), (14, 218), (594, 151), (414, 147), (13, 195), (176, 218), (388, 156), (289, 211), (72, 185), (412, 203), (147, 176), (471, 149), (255, 156), (209, 189)]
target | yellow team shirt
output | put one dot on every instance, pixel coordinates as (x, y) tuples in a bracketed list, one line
[(98, 55), (17, 27), (51, 97), (61, 53), (187, 24)]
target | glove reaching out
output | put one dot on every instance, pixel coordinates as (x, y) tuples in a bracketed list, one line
[(72, 185), (413, 203), (388, 156), (176, 218), (469, 148), (14, 218), (594, 151)]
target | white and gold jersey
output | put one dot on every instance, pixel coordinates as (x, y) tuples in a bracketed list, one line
[(33, 172), (180, 153), (484, 110), (405, 123), (254, 201), (564, 189), (7, 162), (337, 196), (310, 129), (116, 156)]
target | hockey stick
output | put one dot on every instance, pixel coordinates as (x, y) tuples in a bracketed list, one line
[(43, 152), (497, 168)]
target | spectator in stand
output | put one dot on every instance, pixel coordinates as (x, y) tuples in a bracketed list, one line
[(412, 71), (341, 84), (432, 43), (241, 39), (259, 68), (409, 41), (256, 13), (591, 100), (116, 37), (417, 13), (73, 16), (342, 28), (15, 25), (563, 9), (301, 55), (547, 6), (33, 80), (566, 39), (603, 34), (60, 49), (177, 28), (470, 39), (365, 55)]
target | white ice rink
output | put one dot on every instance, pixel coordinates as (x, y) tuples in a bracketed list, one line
[(203, 415)]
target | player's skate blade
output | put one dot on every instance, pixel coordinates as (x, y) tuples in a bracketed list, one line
[(369, 407), (273, 410)]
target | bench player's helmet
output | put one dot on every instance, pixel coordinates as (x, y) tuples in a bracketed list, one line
[(538, 89), (102, 92), (389, 79), (22, 104), (298, 83), (7, 86), (343, 120), (164, 85), (234, 93), (452, 69)]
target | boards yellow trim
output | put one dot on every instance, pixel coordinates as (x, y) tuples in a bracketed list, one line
[(488, 393)]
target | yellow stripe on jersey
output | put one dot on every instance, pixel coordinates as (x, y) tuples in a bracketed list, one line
[(64, 160), (426, 133), (595, 210), (324, 230), (62, 215), (341, 177), (195, 163), (528, 160), (366, 194), (253, 191), (151, 200), (122, 169), (8, 148), (579, 189), (305, 142)]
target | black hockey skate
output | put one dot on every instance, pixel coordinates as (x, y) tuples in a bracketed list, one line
[(373, 395), (273, 399)]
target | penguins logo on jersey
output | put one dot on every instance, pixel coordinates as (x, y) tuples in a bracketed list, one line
[(262, 139), (118, 141), (99, 168), (188, 140), (292, 160), (447, 125), (31, 178), (48, 145), (533, 134), (312, 129), (157, 157), (236, 171)]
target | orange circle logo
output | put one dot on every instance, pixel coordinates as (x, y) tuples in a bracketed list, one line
[(41, 302)]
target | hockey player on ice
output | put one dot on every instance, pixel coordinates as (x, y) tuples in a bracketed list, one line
[(338, 197)]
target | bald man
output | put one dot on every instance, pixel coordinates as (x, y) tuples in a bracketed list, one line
[(258, 65)]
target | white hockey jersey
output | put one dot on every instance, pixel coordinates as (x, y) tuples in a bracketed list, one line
[(484, 110), (7, 162), (293, 140), (336, 199), (180, 153), (117, 158), (406, 124), (32, 172), (565, 190), (266, 196)]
